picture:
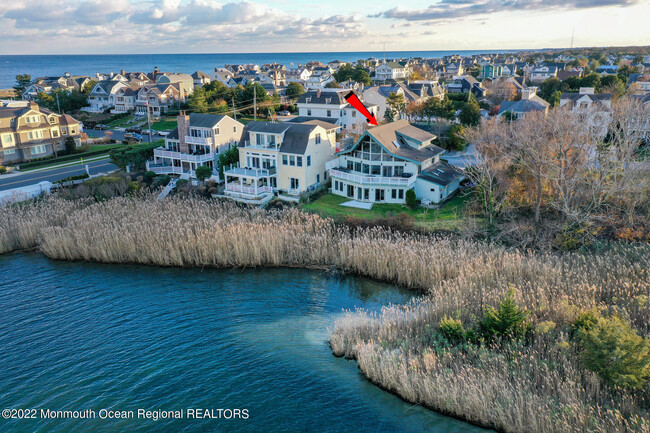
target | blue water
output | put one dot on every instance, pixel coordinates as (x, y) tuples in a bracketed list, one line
[(50, 65), (77, 336)]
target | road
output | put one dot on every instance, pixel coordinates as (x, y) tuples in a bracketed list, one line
[(118, 134), (31, 178)]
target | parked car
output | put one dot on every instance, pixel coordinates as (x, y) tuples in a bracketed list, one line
[(132, 137), (100, 127), (134, 129), (284, 113), (163, 133), (89, 124)]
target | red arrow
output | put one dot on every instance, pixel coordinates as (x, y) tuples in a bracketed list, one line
[(353, 100)]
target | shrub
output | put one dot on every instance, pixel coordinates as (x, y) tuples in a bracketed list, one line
[(451, 329), (181, 183), (3, 169), (411, 199), (212, 190), (148, 175), (70, 145), (203, 172), (611, 348), (505, 321), (162, 180)]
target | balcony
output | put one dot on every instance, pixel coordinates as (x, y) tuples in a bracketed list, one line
[(251, 172), (365, 179), (161, 152), (238, 189), (167, 169), (198, 140), (271, 146)]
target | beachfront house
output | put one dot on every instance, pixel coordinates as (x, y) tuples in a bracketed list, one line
[(388, 160), (198, 140), (281, 158), (102, 95)]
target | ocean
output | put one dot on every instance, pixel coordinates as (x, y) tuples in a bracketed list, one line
[(51, 65)]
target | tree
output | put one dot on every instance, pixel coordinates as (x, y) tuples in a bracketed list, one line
[(456, 138), (555, 98), (197, 101), (229, 157), (294, 90), (470, 114), (203, 172), (88, 87), (332, 85), (548, 87), (616, 352), (70, 145), (22, 82), (502, 90), (411, 199), (505, 321), (396, 104)]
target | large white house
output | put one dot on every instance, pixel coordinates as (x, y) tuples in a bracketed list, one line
[(286, 158), (198, 140), (392, 71), (329, 105), (388, 160)]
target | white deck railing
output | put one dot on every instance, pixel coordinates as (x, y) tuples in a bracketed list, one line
[(161, 152), (251, 190), (373, 180)]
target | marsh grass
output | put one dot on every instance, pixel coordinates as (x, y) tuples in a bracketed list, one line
[(535, 386)]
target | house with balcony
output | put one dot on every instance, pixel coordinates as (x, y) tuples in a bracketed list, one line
[(329, 105), (102, 95), (543, 73), (390, 159), (28, 131), (198, 140), (281, 157), (124, 99), (158, 98), (392, 71)]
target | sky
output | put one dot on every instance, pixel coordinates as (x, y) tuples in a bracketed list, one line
[(212, 26)]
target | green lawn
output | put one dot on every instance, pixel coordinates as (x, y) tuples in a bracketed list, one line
[(122, 122), (166, 124), (95, 151), (449, 217)]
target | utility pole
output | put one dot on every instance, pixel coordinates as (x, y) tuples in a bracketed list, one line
[(149, 121), (234, 113), (255, 101)]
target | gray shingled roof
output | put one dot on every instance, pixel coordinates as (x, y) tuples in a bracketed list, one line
[(441, 173), (201, 120), (334, 97), (296, 135), (521, 106)]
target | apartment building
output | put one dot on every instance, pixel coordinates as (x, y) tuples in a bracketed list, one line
[(198, 140), (28, 132), (286, 158)]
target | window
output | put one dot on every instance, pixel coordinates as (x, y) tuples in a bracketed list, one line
[(10, 152), (336, 185), (73, 130), (354, 113), (216, 131), (36, 150), (325, 175), (234, 128), (379, 195), (376, 169), (329, 113), (259, 139), (317, 138), (308, 160), (393, 194), (308, 112), (8, 139), (35, 134), (64, 130), (292, 160), (299, 161), (284, 160), (350, 165), (55, 132), (295, 183), (401, 194), (318, 178)]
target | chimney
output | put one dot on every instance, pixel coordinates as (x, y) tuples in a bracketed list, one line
[(318, 92), (122, 72), (183, 131)]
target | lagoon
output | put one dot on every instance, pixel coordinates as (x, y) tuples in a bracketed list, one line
[(80, 336)]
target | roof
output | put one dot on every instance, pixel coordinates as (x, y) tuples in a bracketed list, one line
[(201, 120), (596, 97), (199, 74), (173, 134), (391, 137), (396, 65), (296, 135), (319, 121), (333, 97), (441, 173), (521, 106), (66, 119)]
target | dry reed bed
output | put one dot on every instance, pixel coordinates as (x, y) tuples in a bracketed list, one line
[(514, 391)]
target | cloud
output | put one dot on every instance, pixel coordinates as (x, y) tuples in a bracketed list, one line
[(449, 9)]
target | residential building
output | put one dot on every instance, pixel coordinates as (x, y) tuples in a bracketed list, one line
[(200, 79), (388, 160), (102, 95), (185, 83), (529, 102), (315, 82), (640, 82), (466, 83), (563, 75), (454, 69), (225, 76), (604, 70), (329, 105), (392, 71), (28, 132), (543, 73), (198, 140), (585, 98), (158, 99), (286, 158), (124, 99), (491, 71), (297, 75)]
